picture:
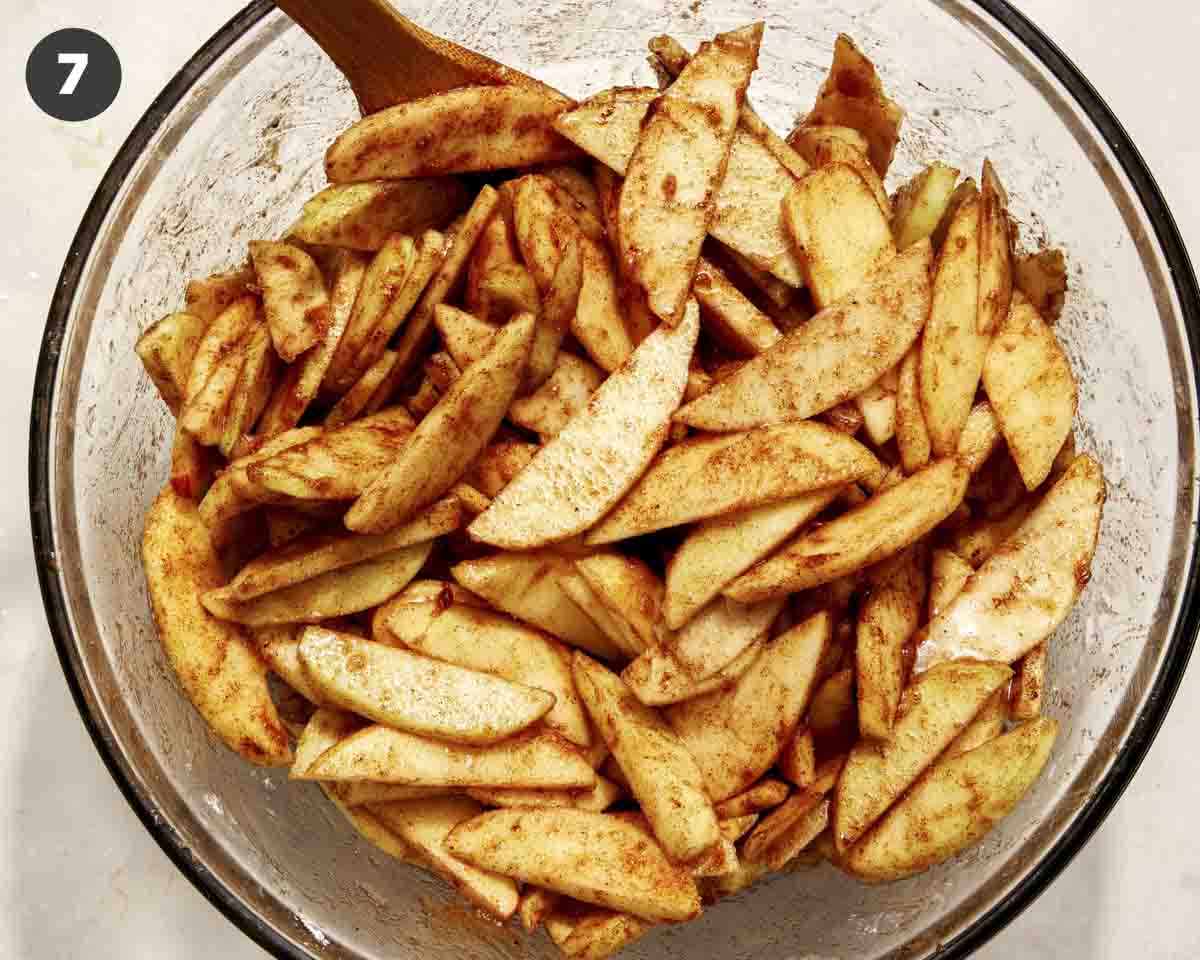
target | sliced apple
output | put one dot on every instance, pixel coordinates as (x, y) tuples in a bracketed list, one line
[(424, 826), (461, 130), (880, 528), (362, 216), (954, 805), (581, 473), (712, 476), (941, 704), (1023, 592), (679, 161), (737, 734), (294, 296), (1031, 388), (953, 348), (536, 760), (594, 857), (527, 586), (835, 356), (215, 662)]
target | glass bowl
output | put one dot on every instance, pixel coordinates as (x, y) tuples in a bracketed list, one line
[(227, 153)]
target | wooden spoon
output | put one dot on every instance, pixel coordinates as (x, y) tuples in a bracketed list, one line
[(389, 59)]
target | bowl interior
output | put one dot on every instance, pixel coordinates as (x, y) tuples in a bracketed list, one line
[(234, 159)]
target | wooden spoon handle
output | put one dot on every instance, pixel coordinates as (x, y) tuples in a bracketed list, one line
[(389, 59)]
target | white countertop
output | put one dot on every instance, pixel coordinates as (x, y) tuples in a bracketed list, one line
[(79, 876)]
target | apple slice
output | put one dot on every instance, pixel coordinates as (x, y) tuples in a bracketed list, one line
[(580, 474), (832, 358), (1023, 592), (710, 476), (594, 857)]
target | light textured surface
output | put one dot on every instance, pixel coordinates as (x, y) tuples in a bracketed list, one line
[(80, 876)]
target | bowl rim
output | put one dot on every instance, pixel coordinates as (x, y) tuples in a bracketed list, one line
[(1086, 820)]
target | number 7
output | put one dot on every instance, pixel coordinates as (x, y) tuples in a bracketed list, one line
[(78, 62)]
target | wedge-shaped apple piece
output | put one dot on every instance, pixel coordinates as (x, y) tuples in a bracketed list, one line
[(912, 435), (835, 356), (852, 96), (979, 437), (798, 762), (607, 125), (478, 639), (416, 693), (749, 208), (221, 336), (444, 444), (1029, 684), (534, 906), (596, 799), (729, 314), (545, 232), (657, 679), (579, 186), (363, 215), (208, 298), (1042, 277), (336, 465), (662, 775), (459, 131), (166, 350), (954, 805), (534, 760), (988, 724), (783, 833), (737, 734), (222, 502), (942, 702), (1031, 388), (527, 586), (748, 214), (674, 57), (823, 146), (836, 222), (602, 933), (953, 348), (564, 394), (880, 528), (294, 296), (580, 474), (920, 204), (887, 620), (614, 626), (371, 829), (418, 331), (995, 252), (719, 634), (678, 164), (629, 589), (594, 857), (976, 541), (327, 727), (1018, 597), (216, 663), (948, 572), (302, 380), (362, 793), (334, 594), (717, 551), (559, 309), (711, 476), (388, 288), (764, 795), (499, 463), (424, 826), (255, 382)]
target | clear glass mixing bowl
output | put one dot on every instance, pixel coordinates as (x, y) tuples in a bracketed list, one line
[(228, 152)]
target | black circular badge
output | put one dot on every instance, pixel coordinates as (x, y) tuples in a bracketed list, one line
[(73, 74)]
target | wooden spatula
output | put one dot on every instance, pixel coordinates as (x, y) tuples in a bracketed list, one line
[(389, 59)]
